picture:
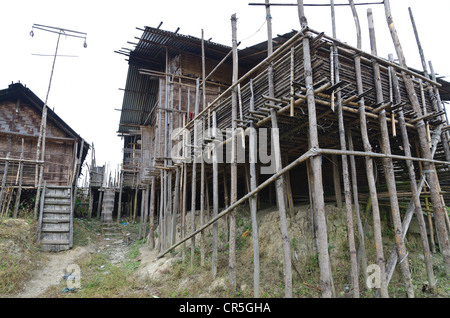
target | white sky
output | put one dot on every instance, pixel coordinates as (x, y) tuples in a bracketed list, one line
[(85, 89)]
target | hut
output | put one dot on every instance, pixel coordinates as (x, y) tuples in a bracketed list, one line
[(20, 161)]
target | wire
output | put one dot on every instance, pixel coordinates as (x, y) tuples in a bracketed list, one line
[(265, 20)]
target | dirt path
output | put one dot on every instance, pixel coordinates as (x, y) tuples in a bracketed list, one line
[(52, 270)]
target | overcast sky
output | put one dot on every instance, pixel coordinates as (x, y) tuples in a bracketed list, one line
[(85, 89)]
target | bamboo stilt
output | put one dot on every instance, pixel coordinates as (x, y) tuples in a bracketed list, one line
[(278, 166), (412, 176), (253, 200), (19, 190), (362, 258), (319, 204), (5, 174), (214, 259), (371, 182), (151, 235), (233, 187), (389, 170)]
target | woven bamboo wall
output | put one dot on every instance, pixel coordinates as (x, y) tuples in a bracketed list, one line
[(19, 121)]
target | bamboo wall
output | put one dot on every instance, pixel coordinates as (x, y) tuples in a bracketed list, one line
[(17, 121)]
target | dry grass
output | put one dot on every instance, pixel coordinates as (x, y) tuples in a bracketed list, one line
[(19, 253)]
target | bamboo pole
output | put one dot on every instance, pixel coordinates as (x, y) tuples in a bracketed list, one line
[(362, 258), (433, 181), (319, 204), (412, 177), (151, 232), (176, 204), (119, 207), (346, 178), (214, 259), (19, 190), (202, 162), (233, 187), (371, 181), (337, 181), (279, 186), (389, 169), (194, 174), (253, 200)]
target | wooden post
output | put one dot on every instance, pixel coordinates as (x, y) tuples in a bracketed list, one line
[(433, 181), (346, 177), (151, 232), (141, 215), (362, 258), (214, 259), (176, 204), (253, 203), (389, 168), (184, 209), (145, 211), (412, 177), (202, 162), (233, 188), (279, 184), (19, 190), (194, 173), (337, 181), (119, 207), (99, 204), (371, 182), (319, 204)]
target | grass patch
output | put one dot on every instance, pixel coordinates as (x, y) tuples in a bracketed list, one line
[(19, 253)]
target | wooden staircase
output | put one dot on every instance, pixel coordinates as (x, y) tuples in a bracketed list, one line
[(55, 227)]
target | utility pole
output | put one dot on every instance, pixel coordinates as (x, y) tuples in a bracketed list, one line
[(40, 149)]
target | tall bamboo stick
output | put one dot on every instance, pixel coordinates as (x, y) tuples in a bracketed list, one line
[(389, 169), (19, 190), (233, 187), (202, 163), (322, 237), (253, 203), (279, 184), (5, 174), (362, 258), (214, 259), (412, 177), (371, 182)]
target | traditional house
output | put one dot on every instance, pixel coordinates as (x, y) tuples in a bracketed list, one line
[(20, 162), (346, 126)]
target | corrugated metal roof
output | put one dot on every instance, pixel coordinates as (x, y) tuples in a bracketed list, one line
[(138, 101), (150, 53)]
